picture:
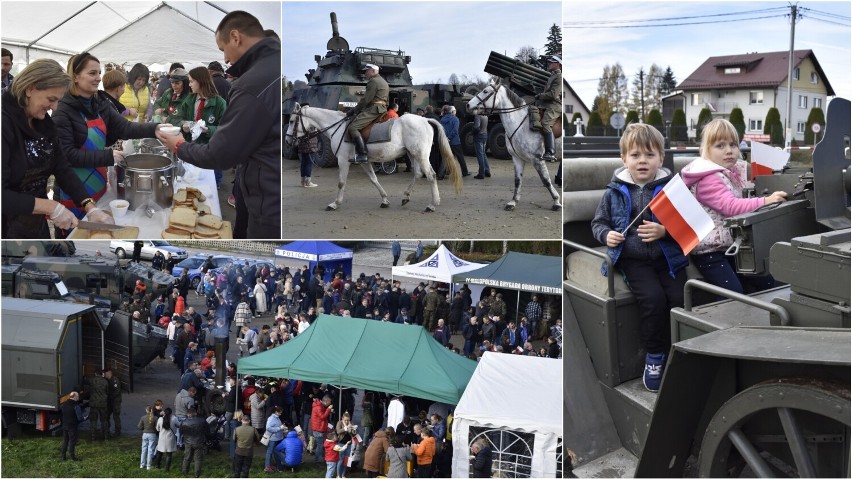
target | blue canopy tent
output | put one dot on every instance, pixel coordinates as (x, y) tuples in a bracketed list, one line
[(315, 252)]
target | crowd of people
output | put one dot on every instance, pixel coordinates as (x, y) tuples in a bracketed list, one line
[(225, 124)]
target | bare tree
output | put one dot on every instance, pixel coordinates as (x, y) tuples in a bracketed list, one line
[(527, 54)]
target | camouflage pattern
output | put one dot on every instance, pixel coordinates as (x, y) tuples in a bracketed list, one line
[(98, 401), (430, 305), (498, 308)]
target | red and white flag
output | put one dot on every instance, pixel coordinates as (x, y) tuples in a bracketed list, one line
[(682, 215), (765, 159)]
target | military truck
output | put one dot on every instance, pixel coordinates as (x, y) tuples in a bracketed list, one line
[(47, 349), (338, 83), (756, 385), (45, 285)]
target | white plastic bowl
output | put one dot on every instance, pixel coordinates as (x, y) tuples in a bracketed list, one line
[(119, 208), (170, 130)]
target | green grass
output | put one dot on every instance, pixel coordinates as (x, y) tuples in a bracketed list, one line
[(38, 456)]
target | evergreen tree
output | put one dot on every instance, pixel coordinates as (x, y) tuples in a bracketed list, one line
[(668, 83), (773, 127), (738, 121), (655, 119), (554, 41), (704, 117), (679, 129), (815, 116), (595, 126), (631, 117)]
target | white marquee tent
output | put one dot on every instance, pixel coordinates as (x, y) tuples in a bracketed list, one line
[(439, 266), (153, 33), (515, 402)]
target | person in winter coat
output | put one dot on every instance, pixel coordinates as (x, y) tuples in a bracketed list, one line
[(320, 412), (244, 437), (482, 459), (398, 456), (260, 297), (375, 453), (148, 426), (276, 432), (166, 441), (170, 105), (258, 412), (136, 94), (425, 452), (87, 125), (292, 449)]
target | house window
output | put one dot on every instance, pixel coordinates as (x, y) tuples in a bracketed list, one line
[(803, 101), (814, 78), (818, 103), (795, 74), (800, 127), (732, 70), (569, 109), (755, 125), (697, 99), (755, 98)]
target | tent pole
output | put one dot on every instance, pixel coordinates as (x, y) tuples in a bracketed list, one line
[(518, 308)]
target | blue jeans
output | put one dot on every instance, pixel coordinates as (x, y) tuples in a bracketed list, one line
[(319, 454), (149, 447), (329, 468), (273, 457), (720, 270), (479, 148), (307, 164), (341, 463), (178, 436)]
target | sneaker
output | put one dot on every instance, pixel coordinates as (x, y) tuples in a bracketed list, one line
[(488, 175), (655, 364), (232, 200), (269, 469), (479, 177)]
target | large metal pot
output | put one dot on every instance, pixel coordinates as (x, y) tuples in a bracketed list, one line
[(146, 176)]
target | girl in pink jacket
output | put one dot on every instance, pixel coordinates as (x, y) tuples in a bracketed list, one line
[(717, 180)]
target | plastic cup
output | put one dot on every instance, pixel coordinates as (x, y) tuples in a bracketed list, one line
[(119, 208)]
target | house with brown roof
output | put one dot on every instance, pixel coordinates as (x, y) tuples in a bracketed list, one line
[(756, 82)]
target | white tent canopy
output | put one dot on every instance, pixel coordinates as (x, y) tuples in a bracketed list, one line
[(122, 32), (512, 394), (440, 266)]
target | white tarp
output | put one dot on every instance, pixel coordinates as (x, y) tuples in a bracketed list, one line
[(440, 266), (513, 393), (122, 32)]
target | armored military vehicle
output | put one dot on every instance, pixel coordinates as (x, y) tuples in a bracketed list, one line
[(45, 285), (756, 385)]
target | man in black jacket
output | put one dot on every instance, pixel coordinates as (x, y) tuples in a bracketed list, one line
[(194, 431), (72, 416), (249, 136), (481, 459)]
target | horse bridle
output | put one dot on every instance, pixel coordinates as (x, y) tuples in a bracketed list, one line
[(493, 94), (336, 125)]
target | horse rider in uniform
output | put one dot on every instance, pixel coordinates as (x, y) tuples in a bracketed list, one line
[(549, 103), (373, 105)]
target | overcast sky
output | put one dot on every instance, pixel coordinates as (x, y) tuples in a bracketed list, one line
[(685, 48), (441, 37)]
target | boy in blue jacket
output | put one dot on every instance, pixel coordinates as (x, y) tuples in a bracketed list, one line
[(652, 263)]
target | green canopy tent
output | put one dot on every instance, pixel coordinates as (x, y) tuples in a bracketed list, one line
[(367, 354)]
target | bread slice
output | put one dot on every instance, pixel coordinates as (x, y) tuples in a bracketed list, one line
[(182, 216), (195, 193), (203, 209), (205, 233), (180, 196), (210, 221), (100, 235), (176, 233)]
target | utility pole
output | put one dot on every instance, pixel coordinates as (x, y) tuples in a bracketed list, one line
[(788, 130)]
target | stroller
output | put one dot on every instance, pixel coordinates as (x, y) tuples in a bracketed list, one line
[(216, 431)]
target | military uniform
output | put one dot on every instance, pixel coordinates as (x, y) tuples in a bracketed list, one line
[(114, 401), (98, 402), (430, 305), (498, 308), (373, 105), (549, 103)]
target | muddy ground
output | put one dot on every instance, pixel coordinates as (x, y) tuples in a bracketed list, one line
[(477, 212)]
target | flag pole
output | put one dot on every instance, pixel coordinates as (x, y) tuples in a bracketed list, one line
[(636, 218)]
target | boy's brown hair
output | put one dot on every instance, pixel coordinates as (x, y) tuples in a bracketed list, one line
[(643, 136)]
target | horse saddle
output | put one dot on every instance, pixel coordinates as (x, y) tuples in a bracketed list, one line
[(378, 131), (535, 118)]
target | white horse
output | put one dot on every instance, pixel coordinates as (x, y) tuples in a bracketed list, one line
[(411, 134), (523, 144)]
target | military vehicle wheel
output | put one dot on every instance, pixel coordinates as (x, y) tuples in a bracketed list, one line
[(794, 427), (467, 139), (215, 402), (194, 282), (497, 143), (324, 157), (288, 152), (120, 253)]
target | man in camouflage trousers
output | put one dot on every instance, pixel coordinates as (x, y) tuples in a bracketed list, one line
[(549, 103), (430, 305), (98, 401)]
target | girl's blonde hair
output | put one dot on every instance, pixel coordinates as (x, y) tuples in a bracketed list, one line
[(719, 129), (643, 136)]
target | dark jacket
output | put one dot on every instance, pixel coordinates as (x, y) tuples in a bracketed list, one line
[(72, 131), (620, 203), (194, 431), (72, 415), (250, 135), (482, 463), (223, 86), (16, 135)]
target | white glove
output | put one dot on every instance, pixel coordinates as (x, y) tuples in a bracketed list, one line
[(63, 218), (97, 215)]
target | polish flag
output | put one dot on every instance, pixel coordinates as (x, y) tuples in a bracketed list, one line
[(765, 159), (682, 215)]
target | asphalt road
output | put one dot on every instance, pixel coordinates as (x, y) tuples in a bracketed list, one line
[(477, 212)]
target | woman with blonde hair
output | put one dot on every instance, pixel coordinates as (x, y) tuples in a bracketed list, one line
[(32, 153)]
